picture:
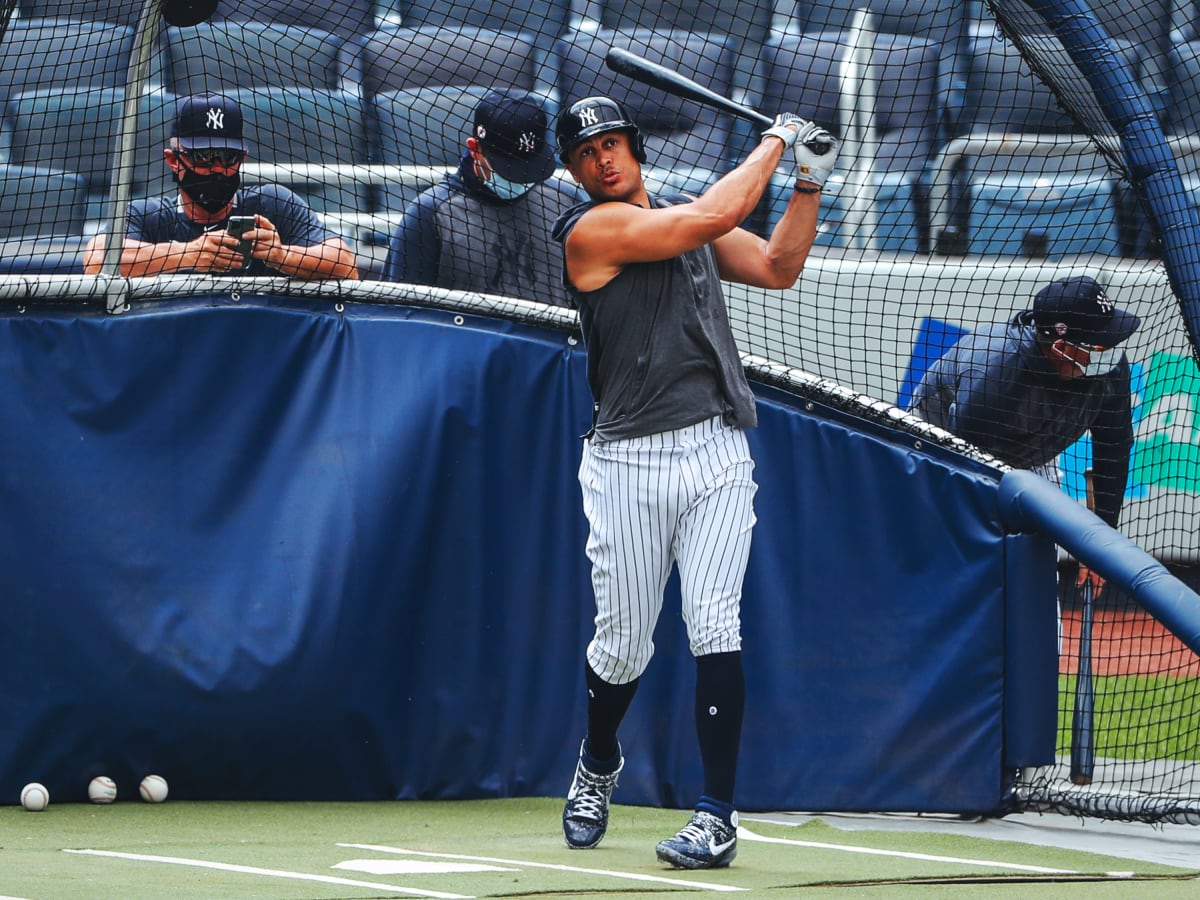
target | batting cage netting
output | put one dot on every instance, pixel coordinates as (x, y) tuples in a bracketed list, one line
[(986, 151)]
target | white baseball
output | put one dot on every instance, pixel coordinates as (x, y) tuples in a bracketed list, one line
[(153, 789), (102, 789), (35, 797)]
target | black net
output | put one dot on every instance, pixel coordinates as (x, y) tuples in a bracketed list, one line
[(977, 165)]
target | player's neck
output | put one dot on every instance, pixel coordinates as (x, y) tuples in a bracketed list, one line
[(199, 214)]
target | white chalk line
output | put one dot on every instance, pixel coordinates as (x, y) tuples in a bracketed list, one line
[(743, 833), (611, 873), (271, 873), (747, 834)]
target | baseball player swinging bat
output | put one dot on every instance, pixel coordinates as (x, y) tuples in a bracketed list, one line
[(1083, 745)]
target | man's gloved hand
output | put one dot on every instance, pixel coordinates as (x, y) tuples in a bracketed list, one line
[(786, 127), (816, 153)]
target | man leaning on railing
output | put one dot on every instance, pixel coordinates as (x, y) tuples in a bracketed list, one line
[(214, 227)]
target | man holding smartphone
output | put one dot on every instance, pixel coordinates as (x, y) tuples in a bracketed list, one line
[(214, 225)]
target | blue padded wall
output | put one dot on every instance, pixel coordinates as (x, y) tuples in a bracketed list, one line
[(273, 551)]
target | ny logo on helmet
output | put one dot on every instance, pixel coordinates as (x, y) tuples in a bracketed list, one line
[(216, 119), (587, 116)]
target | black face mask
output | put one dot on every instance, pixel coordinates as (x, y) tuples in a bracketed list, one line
[(211, 192)]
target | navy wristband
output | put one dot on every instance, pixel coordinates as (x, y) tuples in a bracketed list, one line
[(805, 187)]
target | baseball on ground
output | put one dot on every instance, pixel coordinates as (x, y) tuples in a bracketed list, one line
[(102, 789), (153, 789), (35, 797)]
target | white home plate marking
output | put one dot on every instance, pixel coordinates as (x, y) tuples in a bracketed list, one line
[(415, 867), (746, 834), (270, 873), (526, 864)]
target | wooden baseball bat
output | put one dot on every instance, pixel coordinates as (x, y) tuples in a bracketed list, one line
[(1083, 733), (641, 69)]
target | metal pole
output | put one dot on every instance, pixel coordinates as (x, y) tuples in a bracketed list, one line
[(857, 78), (135, 86), (8, 8)]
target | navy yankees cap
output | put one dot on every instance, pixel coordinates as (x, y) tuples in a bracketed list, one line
[(1078, 310), (208, 121), (512, 127)]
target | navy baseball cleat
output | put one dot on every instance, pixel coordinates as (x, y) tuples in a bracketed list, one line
[(706, 842), (585, 816)]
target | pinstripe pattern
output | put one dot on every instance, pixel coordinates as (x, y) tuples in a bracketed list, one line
[(684, 497)]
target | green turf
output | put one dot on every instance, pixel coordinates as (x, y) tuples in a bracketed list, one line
[(522, 840), (1138, 717)]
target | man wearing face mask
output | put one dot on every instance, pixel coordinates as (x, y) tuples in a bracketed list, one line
[(486, 226), (189, 232), (1027, 389)]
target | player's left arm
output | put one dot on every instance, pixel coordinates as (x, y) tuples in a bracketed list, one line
[(778, 261), (746, 258)]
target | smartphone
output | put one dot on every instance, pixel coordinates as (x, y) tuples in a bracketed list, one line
[(237, 226)]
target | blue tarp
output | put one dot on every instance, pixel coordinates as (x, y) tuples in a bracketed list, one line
[(272, 550)]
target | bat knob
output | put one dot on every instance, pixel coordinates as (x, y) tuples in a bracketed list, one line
[(819, 145)]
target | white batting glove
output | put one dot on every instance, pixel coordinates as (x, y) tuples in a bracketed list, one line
[(816, 153), (786, 127)]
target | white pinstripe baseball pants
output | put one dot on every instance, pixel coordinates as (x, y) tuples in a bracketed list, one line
[(685, 497)]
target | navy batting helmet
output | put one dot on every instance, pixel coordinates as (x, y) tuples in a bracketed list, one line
[(586, 118)]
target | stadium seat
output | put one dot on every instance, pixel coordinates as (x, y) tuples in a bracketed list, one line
[(396, 59), (42, 255), (1041, 205), (216, 57), (931, 20), (118, 12), (936, 21), (76, 130), (35, 201), (423, 127), (540, 22), (1184, 88), (1144, 29), (305, 125), (427, 126), (687, 142), (803, 74), (543, 18), (39, 54), (745, 23), (344, 17), (1184, 124), (1184, 17)]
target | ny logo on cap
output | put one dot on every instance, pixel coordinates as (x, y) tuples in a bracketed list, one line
[(587, 116), (527, 142), (215, 119), (1106, 305)]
